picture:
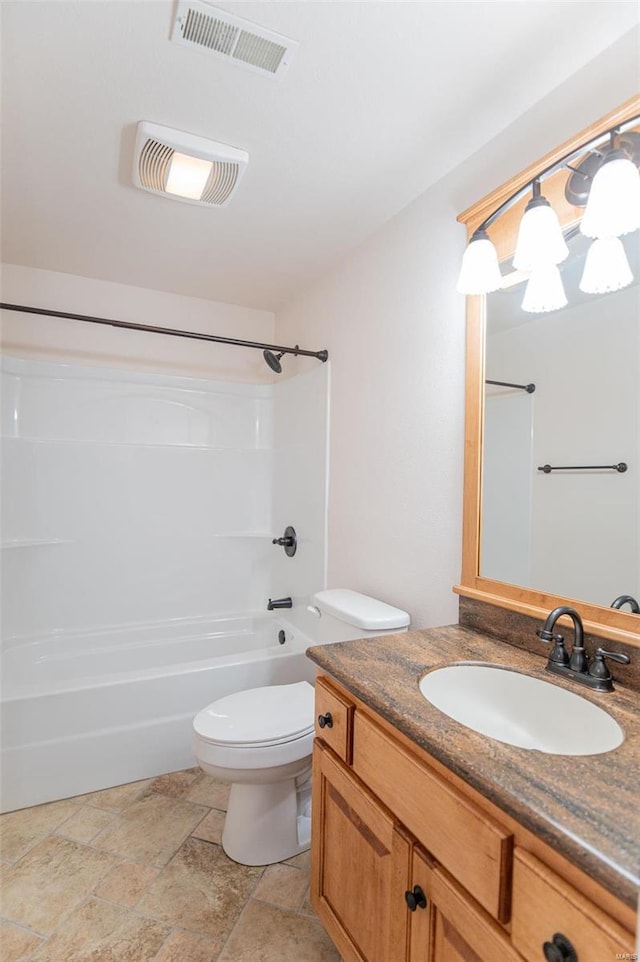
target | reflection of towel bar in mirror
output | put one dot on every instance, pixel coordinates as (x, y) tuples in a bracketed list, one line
[(529, 388), (620, 468)]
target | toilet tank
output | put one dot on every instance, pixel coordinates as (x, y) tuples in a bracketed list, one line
[(345, 614)]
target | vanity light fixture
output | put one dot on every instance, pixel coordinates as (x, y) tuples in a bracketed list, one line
[(606, 267), (540, 241), (544, 291), (480, 271), (607, 182), (613, 207)]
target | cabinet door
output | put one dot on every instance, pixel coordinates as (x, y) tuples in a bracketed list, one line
[(454, 927), (360, 866), (546, 905)]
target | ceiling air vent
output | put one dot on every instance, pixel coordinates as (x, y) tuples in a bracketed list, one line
[(232, 38), (185, 167)]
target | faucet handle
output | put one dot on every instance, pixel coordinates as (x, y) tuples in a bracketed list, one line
[(558, 653), (618, 656), (599, 668)]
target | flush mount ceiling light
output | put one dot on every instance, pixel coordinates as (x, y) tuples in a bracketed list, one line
[(607, 182), (186, 167)]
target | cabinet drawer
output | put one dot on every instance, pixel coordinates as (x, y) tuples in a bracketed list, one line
[(467, 842), (544, 904), (334, 719)]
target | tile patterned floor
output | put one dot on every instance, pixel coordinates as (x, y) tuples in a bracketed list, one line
[(137, 874)]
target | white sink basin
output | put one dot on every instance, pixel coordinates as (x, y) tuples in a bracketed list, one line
[(521, 710)]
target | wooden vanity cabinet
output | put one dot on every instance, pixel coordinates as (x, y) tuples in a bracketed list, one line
[(387, 827), (452, 927), (361, 864)]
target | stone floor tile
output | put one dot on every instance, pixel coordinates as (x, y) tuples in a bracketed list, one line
[(175, 784), (208, 791), (50, 881), (300, 861), (16, 944), (114, 799), (186, 947), (266, 933), (19, 831), (282, 885), (200, 890), (84, 824), (101, 932), (151, 829), (210, 828), (126, 883)]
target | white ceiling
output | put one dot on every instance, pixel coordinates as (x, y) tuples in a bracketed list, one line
[(382, 99)]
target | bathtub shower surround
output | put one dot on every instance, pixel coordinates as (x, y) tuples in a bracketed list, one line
[(137, 518)]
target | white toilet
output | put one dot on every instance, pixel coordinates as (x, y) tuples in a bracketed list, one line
[(261, 741)]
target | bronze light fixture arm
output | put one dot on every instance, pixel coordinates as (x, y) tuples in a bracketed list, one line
[(606, 135)]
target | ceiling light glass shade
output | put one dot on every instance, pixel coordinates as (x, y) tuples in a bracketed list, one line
[(480, 271), (544, 291), (613, 207), (606, 267), (188, 176), (540, 239)]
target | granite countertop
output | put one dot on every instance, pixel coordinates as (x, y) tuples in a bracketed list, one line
[(585, 806)]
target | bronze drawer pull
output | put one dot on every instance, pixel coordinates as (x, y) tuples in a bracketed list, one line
[(559, 949), (415, 899)]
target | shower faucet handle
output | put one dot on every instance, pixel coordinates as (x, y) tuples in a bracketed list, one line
[(289, 542)]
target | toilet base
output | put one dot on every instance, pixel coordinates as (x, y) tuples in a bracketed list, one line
[(268, 823)]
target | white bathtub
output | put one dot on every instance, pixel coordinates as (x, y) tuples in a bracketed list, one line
[(85, 712)]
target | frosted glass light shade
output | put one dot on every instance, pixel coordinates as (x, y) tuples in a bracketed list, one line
[(544, 291), (480, 271), (188, 176), (540, 239), (613, 207), (606, 267)]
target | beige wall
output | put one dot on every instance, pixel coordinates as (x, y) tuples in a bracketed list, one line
[(54, 339), (394, 328)]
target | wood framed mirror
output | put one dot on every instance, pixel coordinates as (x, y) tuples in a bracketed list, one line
[(535, 597)]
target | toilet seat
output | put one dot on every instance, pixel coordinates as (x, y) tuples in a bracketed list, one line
[(258, 717)]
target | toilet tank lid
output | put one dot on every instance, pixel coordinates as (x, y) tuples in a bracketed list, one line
[(360, 610)]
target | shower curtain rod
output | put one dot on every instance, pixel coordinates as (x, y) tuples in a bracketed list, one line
[(130, 326), (529, 388)]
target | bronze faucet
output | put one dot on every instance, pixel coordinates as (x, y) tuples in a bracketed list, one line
[(595, 675)]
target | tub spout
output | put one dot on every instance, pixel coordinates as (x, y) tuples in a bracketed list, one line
[(279, 603)]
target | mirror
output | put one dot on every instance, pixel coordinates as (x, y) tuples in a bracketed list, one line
[(536, 539), (572, 530)]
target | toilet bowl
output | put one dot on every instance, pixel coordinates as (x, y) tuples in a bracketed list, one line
[(261, 740)]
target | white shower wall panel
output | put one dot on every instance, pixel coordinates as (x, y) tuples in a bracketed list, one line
[(93, 489), (300, 494), (65, 401), (129, 498)]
